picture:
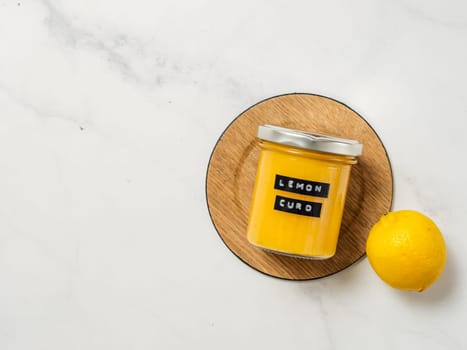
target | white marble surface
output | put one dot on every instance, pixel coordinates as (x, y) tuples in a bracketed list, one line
[(108, 113)]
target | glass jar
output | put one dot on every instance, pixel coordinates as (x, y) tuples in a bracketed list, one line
[(300, 189)]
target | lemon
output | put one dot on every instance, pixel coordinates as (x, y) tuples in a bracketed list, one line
[(407, 250)]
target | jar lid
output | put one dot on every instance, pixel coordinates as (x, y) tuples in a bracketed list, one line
[(310, 141)]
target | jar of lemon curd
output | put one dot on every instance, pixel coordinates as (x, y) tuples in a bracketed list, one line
[(299, 194)]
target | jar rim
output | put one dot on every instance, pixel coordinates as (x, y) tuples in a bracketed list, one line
[(309, 141)]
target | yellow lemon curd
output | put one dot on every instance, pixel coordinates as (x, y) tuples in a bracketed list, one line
[(298, 200)]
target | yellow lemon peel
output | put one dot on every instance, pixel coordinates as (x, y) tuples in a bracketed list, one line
[(407, 250)]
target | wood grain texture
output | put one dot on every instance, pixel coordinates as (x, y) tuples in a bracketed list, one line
[(231, 176)]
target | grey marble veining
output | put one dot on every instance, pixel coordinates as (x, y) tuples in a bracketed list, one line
[(108, 113)]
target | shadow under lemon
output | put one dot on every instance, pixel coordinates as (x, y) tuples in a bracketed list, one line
[(440, 290)]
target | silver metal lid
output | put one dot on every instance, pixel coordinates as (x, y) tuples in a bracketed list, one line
[(310, 141)]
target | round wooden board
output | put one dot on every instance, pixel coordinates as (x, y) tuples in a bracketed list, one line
[(231, 176)]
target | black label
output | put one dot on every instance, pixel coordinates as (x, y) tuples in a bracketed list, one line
[(310, 188), (297, 206)]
